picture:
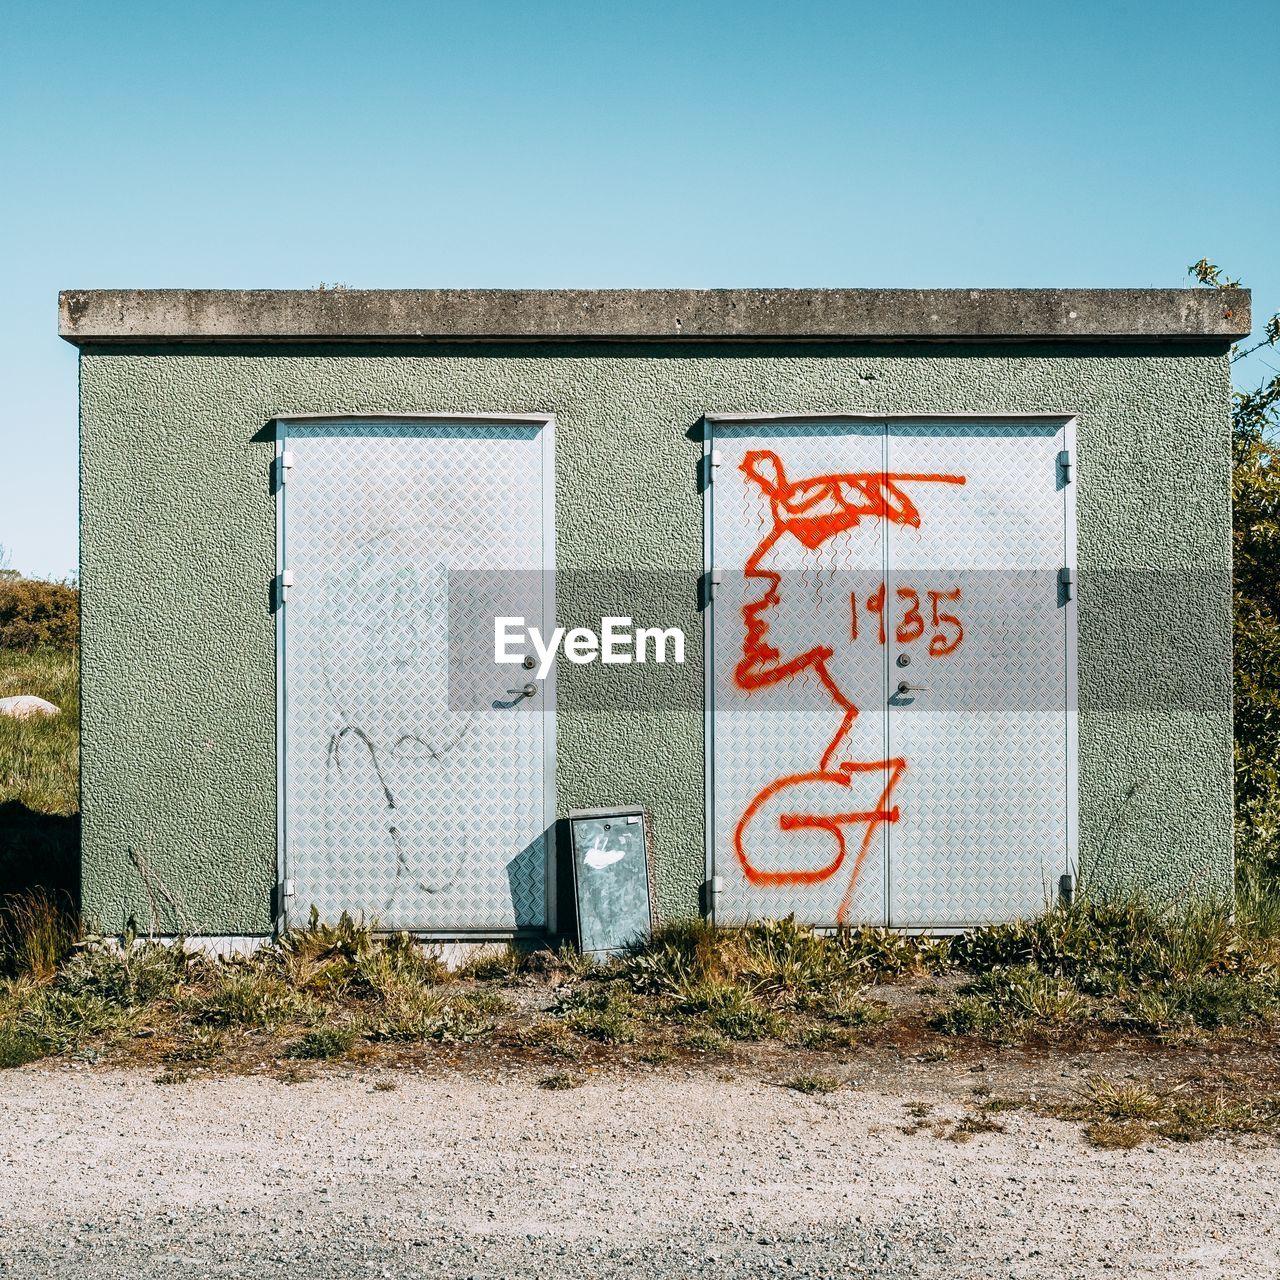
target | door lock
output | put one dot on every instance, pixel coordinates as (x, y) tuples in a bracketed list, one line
[(529, 662), (903, 660)]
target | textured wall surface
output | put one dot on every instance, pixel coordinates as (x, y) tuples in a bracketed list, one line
[(178, 550)]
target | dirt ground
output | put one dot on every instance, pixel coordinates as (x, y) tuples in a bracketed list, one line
[(710, 1169)]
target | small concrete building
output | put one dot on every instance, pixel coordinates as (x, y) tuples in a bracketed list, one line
[(888, 606)]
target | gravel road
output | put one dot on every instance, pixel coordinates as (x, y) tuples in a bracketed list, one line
[(657, 1174)]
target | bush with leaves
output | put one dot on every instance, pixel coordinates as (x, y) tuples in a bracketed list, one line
[(38, 615), (1255, 492)]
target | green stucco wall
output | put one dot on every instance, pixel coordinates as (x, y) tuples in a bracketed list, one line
[(178, 549)]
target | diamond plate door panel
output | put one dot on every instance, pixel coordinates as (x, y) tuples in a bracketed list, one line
[(981, 625), (415, 790), (799, 778)]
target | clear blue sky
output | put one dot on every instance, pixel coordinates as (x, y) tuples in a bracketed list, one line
[(597, 144)]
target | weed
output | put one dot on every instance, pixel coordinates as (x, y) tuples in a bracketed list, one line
[(172, 1075), (562, 1080), (824, 1036), (918, 1109), (846, 1008), (812, 1084), (886, 951), (409, 1012), (704, 1040), (243, 995), (733, 1013), (601, 1013), (968, 1016), (968, 1127), (1005, 997), (1119, 1135), (385, 1085), (552, 1036), (325, 1042), (656, 1055), (37, 933), (491, 965), (1123, 1101), (294, 1073), (130, 976), (200, 1044), (18, 1047), (992, 1106)]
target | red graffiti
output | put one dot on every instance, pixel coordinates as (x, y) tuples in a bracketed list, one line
[(814, 510)]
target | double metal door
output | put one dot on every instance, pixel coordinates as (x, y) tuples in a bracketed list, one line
[(891, 669), (416, 785)]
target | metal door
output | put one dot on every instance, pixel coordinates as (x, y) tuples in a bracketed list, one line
[(416, 779), (899, 586)]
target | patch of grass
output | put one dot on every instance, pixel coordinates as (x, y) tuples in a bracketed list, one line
[(1124, 1101), (603, 1013), (1117, 1135), (199, 1043), (811, 1084), (991, 1105), (408, 1012), (1005, 999), (887, 952), (551, 1036), (492, 965), (324, 1042), (18, 1047), (968, 1127), (918, 1109), (825, 1036), (968, 1016), (246, 995), (38, 929), (130, 975), (173, 1075), (561, 1080), (704, 1040), (40, 757)]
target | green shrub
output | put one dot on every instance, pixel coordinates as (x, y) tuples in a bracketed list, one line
[(35, 614), (602, 1013), (128, 976), (326, 1042), (18, 1046)]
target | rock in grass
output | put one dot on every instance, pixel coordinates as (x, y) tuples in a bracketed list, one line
[(27, 707)]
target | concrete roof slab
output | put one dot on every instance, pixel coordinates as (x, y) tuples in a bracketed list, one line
[(415, 315)]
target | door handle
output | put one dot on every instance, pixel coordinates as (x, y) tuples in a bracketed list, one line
[(526, 692), (904, 687)]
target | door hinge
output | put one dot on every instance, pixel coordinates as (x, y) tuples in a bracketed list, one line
[(715, 458), (284, 580), (1067, 581), (281, 466), (710, 896), (1065, 466), (1066, 889), (286, 888)]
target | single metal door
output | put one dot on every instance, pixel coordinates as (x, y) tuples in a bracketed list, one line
[(889, 676), (416, 775)]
